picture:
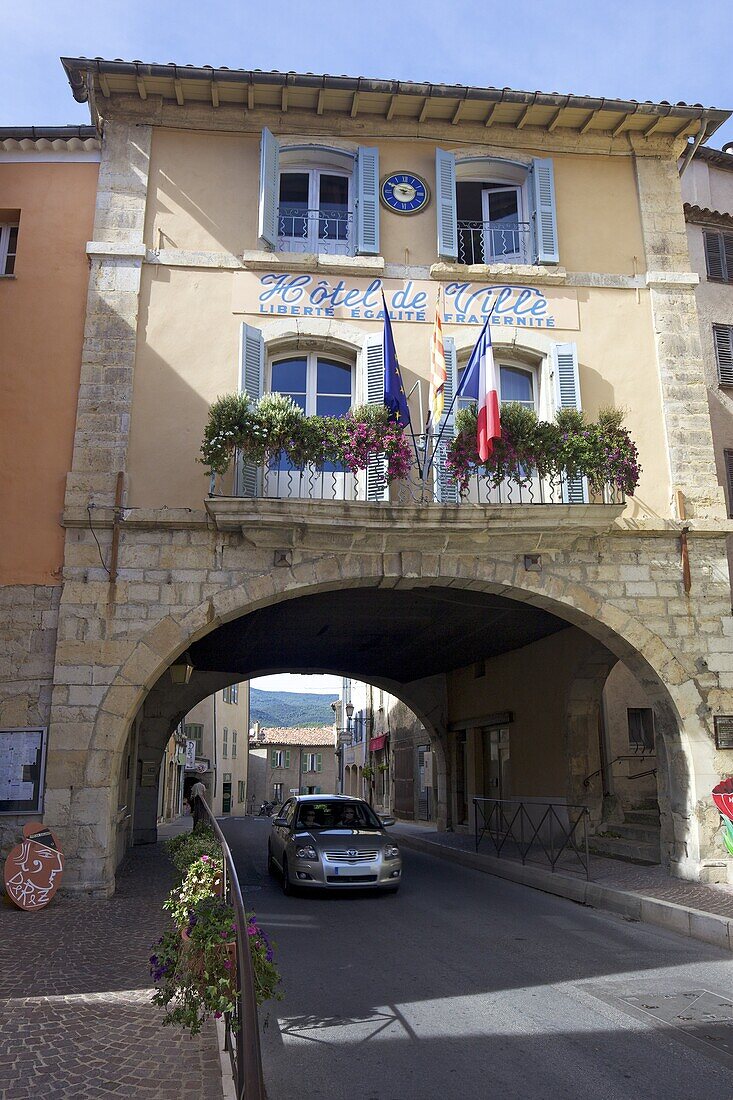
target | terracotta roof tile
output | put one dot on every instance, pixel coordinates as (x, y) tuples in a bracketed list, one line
[(320, 735)]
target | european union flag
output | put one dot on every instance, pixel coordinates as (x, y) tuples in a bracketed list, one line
[(394, 390)]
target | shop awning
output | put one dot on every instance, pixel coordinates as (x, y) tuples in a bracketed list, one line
[(377, 743)]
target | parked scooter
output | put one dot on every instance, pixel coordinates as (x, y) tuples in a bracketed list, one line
[(266, 809)]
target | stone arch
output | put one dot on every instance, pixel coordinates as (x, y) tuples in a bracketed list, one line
[(621, 633)]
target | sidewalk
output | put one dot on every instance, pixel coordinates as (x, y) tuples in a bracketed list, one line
[(75, 1013), (639, 893)]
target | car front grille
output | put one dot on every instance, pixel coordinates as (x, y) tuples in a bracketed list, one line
[(351, 878), (343, 857)]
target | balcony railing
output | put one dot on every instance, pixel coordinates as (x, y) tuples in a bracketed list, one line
[(278, 481), (326, 230), (493, 242)]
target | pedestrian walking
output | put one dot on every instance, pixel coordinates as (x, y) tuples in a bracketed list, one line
[(197, 793)]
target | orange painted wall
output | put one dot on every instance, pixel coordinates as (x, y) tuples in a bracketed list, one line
[(41, 329)]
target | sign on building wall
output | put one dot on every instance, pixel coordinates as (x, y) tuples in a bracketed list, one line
[(277, 294), (22, 764), (190, 754)]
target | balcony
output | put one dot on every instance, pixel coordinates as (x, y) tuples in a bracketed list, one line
[(502, 242), (325, 231)]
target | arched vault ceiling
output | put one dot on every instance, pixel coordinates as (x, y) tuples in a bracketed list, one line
[(395, 634)]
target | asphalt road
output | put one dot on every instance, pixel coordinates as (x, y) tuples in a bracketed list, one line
[(468, 986)]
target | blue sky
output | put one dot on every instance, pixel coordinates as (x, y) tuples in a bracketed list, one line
[(631, 49)]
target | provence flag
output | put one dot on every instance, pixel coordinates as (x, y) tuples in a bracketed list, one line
[(394, 389)]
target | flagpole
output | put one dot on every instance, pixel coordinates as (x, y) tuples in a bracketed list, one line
[(456, 394), (388, 321)]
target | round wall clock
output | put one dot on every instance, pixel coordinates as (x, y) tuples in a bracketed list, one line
[(404, 192)]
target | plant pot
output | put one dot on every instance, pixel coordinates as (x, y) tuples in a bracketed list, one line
[(196, 965)]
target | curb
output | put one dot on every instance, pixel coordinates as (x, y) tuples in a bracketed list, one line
[(228, 1087), (695, 923)]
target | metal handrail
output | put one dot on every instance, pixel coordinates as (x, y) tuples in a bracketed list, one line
[(500, 825), (625, 756), (241, 1027)]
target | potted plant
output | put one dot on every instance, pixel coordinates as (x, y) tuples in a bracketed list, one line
[(195, 967), (203, 879)]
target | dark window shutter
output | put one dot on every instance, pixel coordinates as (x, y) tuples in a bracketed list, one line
[(719, 255), (729, 480), (723, 339), (728, 255)]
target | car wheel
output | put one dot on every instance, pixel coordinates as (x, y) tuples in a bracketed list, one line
[(287, 885), (271, 865)]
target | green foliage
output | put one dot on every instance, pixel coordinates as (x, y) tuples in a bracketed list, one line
[(203, 878), (187, 848), (276, 427), (290, 708), (570, 447)]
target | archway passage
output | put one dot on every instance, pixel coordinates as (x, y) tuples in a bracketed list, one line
[(375, 634)]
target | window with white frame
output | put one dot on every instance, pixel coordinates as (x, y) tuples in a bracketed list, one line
[(491, 210), (8, 248), (280, 758), (318, 199), (225, 743), (231, 694), (312, 762), (234, 744), (517, 383), (321, 385)]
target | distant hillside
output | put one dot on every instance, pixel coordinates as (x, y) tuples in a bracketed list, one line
[(290, 708)]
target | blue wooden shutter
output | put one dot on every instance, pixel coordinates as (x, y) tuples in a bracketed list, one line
[(446, 489), (269, 188), (544, 220), (373, 389), (367, 201), (445, 203), (251, 374), (567, 396)]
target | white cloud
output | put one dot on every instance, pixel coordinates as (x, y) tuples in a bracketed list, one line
[(289, 681)]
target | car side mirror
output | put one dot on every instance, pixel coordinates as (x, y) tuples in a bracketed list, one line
[(279, 821), (388, 821)]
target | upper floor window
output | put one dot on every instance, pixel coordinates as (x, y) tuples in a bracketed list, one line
[(234, 744), (495, 211), (723, 341), (728, 458), (515, 384), (8, 248), (718, 255), (280, 758), (225, 743), (315, 212), (318, 199), (193, 731), (312, 762), (231, 694)]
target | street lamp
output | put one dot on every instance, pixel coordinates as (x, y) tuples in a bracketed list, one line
[(182, 669)]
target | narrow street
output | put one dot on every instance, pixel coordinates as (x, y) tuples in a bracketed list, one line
[(468, 985)]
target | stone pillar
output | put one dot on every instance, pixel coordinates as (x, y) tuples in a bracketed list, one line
[(671, 286), (108, 358)]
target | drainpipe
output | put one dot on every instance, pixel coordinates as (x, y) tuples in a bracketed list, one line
[(692, 148)]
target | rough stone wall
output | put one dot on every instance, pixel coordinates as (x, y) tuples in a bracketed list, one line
[(177, 582), (28, 622), (677, 339)]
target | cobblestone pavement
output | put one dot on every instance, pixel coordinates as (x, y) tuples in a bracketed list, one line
[(653, 882), (75, 1013)]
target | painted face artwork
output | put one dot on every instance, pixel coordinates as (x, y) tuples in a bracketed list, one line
[(33, 868)]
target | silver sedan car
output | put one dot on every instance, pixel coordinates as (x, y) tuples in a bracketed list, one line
[(332, 842)]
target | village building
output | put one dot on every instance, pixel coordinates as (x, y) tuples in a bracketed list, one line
[(246, 225), (285, 761)]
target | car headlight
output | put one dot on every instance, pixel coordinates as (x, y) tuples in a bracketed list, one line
[(307, 852), (391, 851)]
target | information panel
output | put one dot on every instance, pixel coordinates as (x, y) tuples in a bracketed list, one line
[(22, 761)]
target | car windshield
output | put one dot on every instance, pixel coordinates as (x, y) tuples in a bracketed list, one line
[(333, 814)]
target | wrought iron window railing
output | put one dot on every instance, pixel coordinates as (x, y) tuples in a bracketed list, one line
[(552, 832), (326, 230), (279, 481), (493, 242)]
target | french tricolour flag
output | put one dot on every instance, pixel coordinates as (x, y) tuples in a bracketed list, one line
[(481, 383)]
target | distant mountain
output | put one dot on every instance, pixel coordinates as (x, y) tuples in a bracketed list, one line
[(290, 708)]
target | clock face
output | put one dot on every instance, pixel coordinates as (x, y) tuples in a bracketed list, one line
[(404, 193)]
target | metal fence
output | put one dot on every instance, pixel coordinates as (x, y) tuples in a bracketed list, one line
[(281, 481), (520, 829), (242, 1034), (493, 242), (324, 230)]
